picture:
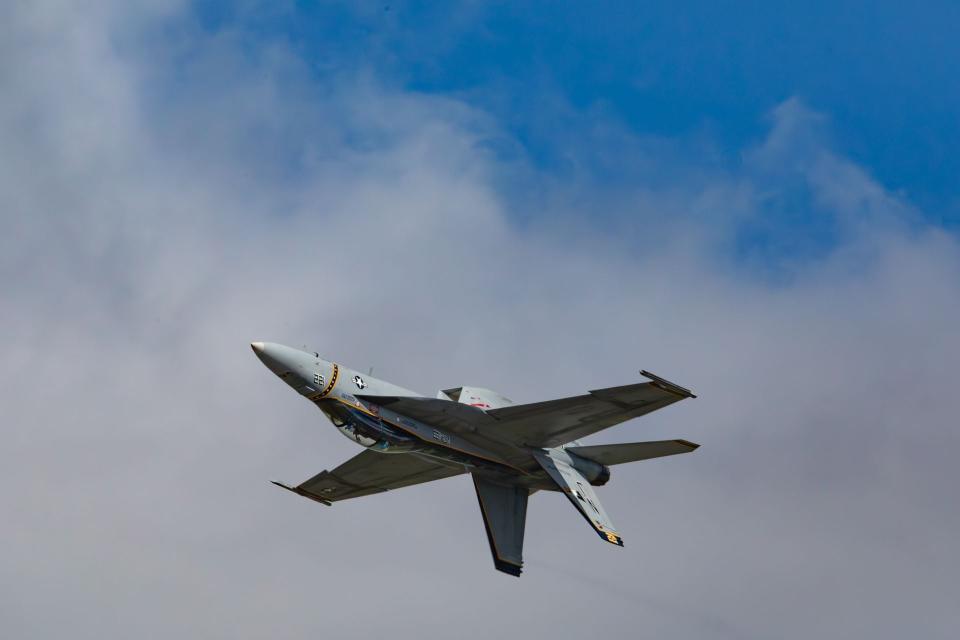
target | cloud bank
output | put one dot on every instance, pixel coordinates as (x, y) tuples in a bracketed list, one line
[(169, 194)]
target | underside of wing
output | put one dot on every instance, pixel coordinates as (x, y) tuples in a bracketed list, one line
[(556, 422), (372, 472)]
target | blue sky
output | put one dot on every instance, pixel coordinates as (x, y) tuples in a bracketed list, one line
[(883, 73)]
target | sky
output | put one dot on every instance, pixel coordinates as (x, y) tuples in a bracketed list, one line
[(757, 201)]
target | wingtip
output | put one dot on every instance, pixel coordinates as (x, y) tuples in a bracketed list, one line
[(666, 385), (693, 445), (301, 492)]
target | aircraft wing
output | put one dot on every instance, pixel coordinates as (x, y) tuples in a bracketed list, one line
[(544, 424), (556, 422), (371, 472)]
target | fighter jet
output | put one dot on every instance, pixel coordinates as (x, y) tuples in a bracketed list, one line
[(510, 450)]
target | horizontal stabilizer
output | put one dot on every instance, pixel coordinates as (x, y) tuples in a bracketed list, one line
[(611, 454)]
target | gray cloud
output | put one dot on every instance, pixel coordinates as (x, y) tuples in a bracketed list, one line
[(166, 203)]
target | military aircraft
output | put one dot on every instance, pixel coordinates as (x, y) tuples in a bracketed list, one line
[(510, 450)]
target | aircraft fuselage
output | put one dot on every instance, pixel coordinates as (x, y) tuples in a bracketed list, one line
[(334, 388)]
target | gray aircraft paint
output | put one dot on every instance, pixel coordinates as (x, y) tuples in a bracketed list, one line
[(472, 430)]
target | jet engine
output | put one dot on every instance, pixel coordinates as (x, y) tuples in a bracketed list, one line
[(596, 474)]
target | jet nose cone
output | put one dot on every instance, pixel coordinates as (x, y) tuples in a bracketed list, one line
[(298, 369), (280, 359)]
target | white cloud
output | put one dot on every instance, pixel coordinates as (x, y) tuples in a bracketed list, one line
[(165, 206)]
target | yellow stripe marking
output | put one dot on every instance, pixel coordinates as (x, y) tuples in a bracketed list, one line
[(329, 387)]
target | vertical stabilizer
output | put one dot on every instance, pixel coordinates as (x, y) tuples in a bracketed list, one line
[(558, 464), (504, 511)]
